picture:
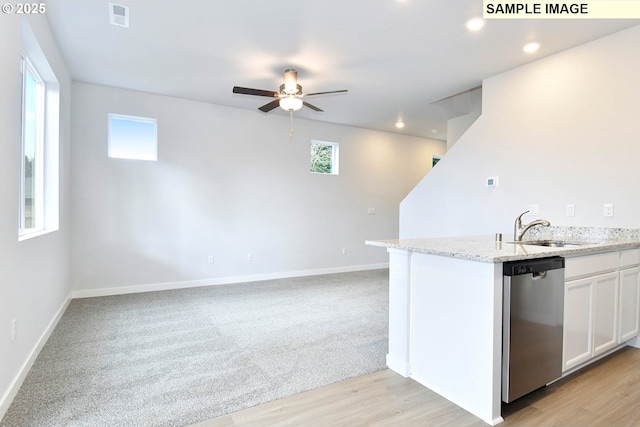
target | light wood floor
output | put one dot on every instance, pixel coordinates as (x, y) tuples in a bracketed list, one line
[(604, 394)]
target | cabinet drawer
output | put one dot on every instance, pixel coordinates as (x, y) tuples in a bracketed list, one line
[(591, 264), (629, 257)]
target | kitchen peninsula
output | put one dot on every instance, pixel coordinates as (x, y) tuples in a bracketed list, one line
[(445, 305)]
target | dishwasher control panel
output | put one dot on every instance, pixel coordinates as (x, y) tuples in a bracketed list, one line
[(528, 266), (522, 269)]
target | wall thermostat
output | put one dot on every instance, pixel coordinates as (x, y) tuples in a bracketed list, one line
[(492, 181)]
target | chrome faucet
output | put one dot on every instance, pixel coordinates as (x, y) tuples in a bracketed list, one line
[(519, 229)]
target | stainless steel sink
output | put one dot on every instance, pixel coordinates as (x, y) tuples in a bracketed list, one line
[(552, 243)]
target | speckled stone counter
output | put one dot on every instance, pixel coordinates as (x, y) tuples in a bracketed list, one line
[(486, 249)]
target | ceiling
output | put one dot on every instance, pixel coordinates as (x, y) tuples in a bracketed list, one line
[(396, 58)]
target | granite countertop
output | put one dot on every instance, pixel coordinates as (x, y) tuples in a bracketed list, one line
[(487, 249)]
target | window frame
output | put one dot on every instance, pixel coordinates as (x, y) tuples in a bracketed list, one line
[(38, 165), (335, 157), (112, 151), (49, 127)]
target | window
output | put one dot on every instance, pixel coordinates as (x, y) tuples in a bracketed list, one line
[(39, 139), (324, 157), (32, 182), (132, 137)]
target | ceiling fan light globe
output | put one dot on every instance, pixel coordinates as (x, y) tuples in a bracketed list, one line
[(290, 104)]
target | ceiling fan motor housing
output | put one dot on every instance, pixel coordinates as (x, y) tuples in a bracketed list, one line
[(285, 91)]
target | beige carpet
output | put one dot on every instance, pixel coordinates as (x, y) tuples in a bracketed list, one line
[(174, 358)]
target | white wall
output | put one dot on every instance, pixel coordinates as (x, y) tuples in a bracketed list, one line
[(458, 126), (35, 272), (561, 130), (227, 182)]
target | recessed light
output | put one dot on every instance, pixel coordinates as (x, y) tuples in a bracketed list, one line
[(475, 24), (399, 124), (531, 47)]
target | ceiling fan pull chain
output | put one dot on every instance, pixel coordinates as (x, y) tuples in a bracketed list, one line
[(290, 126)]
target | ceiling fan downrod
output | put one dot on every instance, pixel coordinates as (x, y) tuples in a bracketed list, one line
[(291, 86)]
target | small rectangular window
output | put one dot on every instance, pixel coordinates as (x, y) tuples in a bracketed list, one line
[(131, 137), (324, 157)]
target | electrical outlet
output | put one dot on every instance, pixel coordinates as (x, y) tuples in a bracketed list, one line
[(210, 259), (608, 210), (533, 209), (571, 209), (249, 256), (344, 251), (371, 211), (13, 329)]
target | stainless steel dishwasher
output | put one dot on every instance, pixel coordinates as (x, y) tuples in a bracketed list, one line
[(533, 309)]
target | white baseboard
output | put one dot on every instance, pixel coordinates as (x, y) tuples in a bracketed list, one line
[(399, 366), (10, 394), (122, 290)]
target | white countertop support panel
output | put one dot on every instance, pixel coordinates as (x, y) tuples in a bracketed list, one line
[(399, 299), (456, 331), (445, 328)]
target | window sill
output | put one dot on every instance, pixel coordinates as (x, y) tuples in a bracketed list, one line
[(32, 234), (325, 173)]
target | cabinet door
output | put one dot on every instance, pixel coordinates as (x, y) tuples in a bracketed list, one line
[(605, 316), (629, 303), (578, 331)]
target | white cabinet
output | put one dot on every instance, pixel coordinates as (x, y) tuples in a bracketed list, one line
[(601, 304), (605, 313), (590, 318), (578, 326), (629, 304), (590, 265)]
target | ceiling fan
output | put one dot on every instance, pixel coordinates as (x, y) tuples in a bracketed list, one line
[(289, 97)]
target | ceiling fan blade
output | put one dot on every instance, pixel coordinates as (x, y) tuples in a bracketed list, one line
[(313, 107), (325, 93), (270, 106), (257, 92)]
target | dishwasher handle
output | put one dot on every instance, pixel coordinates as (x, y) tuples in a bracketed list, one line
[(539, 275)]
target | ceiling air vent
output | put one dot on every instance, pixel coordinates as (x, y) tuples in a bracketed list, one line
[(119, 15)]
